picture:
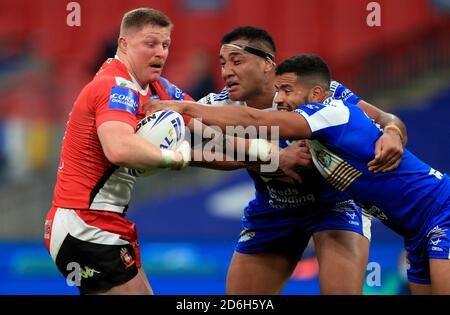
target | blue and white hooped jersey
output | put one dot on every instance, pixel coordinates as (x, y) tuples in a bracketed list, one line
[(404, 199), (339, 92), (222, 98)]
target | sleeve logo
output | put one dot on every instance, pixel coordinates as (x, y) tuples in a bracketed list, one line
[(123, 99)]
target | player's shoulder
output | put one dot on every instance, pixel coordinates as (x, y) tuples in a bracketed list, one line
[(170, 89), (216, 98), (327, 106), (108, 84), (310, 108)]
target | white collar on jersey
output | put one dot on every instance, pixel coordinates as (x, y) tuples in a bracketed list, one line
[(327, 100), (138, 87)]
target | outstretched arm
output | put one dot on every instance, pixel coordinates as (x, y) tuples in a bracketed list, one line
[(286, 125)]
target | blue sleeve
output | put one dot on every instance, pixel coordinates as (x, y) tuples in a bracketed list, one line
[(172, 90), (340, 92)]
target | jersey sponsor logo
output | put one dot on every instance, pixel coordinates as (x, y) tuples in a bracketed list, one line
[(124, 99), (177, 93), (289, 198), (344, 95), (172, 90), (336, 171)]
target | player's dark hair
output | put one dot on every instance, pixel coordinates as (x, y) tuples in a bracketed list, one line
[(306, 66), (141, 17), (254, 35)]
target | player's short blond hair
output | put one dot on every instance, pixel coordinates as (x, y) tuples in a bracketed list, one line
[(138, 18)]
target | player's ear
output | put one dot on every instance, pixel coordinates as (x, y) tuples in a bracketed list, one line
[(269, 65), (316, 94), (122, 44)]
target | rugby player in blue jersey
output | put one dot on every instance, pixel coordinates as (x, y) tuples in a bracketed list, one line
[(279, 222), (413, 200), (283, 216)]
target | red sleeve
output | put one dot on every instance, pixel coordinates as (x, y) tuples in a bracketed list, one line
[(186, 119), (116, 115), (102, 91)]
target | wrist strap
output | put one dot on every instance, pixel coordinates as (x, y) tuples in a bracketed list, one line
[(168, 158), (394, 127), (259, 149)]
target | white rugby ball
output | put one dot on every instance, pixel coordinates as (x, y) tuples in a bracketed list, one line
[(164, 129)]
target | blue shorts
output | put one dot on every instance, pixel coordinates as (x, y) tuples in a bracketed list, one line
[(434, 244), (292, 238)]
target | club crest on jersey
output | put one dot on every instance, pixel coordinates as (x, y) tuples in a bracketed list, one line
[(124, 99), (336, 171), (126, 257), (324, 158)]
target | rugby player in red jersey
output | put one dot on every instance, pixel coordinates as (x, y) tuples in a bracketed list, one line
[(86, 232)]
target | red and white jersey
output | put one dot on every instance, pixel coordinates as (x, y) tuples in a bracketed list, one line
[(86, 179)]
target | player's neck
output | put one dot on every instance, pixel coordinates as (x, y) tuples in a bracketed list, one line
[(124, 60), (263, 100), (326, 95)]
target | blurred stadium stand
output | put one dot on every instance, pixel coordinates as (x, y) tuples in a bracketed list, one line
[(189, 221)]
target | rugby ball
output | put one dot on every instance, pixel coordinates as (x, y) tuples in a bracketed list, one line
[(164, 129)]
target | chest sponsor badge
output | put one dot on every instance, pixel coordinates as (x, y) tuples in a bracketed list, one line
[(124, 99)]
